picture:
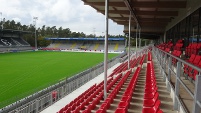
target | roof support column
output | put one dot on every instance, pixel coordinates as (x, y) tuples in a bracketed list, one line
[(106, 49), (164, 38), (136, 35), (129, 40), (139, 38)]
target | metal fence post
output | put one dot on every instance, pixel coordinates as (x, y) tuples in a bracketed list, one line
[(176, 95), (160, 61), (51, 99), (197, 97), (164, 62), (157, 53), (37, 105), (169, 72), (164, 67)]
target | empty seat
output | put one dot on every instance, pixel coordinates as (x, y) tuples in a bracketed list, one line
[(120, 110), (150, 102), (154, 109), (123, 104)]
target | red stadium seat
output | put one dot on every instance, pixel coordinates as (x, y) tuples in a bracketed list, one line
[(153, 109), (150, 102), (190, 60), (195, 62), (194, 72), (150, 95), (123, 104), (120, 110)]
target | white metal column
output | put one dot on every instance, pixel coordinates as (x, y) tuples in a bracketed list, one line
[(106, 49), (1, 20), (35, 18), (139, 38), (136, 35), (164, 38), (129, 40), (197, 92)]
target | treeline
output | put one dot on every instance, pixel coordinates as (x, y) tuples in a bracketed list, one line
[(45, 31)]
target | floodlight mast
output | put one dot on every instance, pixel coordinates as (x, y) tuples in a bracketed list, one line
[(35, 18)]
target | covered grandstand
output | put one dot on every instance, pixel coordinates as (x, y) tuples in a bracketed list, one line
[(12, 41), (87, 44), (161, 77)]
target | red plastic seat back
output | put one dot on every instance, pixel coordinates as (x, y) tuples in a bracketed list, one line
[(196, 60), (191, 58), (178, 53)]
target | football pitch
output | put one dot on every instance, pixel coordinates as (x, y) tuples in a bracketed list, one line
[(22, 74)]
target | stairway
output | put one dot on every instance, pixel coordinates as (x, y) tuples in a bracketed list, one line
[(118, 97), (116, 47), (73, 45), (96, 46), (136, 104)]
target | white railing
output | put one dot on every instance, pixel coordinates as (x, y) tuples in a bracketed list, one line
[(168, 71)]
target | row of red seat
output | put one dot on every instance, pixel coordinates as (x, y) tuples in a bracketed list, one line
[(106, 104), (124, 66), (142, 59), (118, 69), (163, 46), (133, 64), (167, 47), (85, 98), (88, 100), (179, 44), (127, 96), (195, 60), (149, 56), (176, 53), (192, 48), (151, 103)]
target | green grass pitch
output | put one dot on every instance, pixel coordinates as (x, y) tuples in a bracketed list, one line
[(22, 74)]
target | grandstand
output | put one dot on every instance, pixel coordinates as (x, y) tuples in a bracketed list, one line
[(12, 41), (164, 76), (86, 44)]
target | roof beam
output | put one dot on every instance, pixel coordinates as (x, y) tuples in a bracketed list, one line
[(144, 19), (145, 4), (128, 5), (154, 24), (155, 20), (160, 4), (156, 13), (113, 4)]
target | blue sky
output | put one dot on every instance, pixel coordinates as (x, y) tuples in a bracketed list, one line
[(71, 14)]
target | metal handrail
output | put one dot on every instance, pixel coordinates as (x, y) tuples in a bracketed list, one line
[(183, 61), (195, 95)]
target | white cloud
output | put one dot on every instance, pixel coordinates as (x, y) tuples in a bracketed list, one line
[(71, 14), (17, 19)]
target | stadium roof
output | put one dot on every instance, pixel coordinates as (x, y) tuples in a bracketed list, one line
[(14, 31), (114, 39), (153, 16)]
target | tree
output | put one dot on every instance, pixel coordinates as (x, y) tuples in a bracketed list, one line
[(46, 31)]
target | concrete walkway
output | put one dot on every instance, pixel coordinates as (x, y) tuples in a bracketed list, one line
[(67, 99)]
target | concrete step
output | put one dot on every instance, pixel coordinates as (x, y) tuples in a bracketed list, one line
[(138, 94), (164, 95)]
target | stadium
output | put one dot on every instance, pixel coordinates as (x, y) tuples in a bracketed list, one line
[(106, 75)]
